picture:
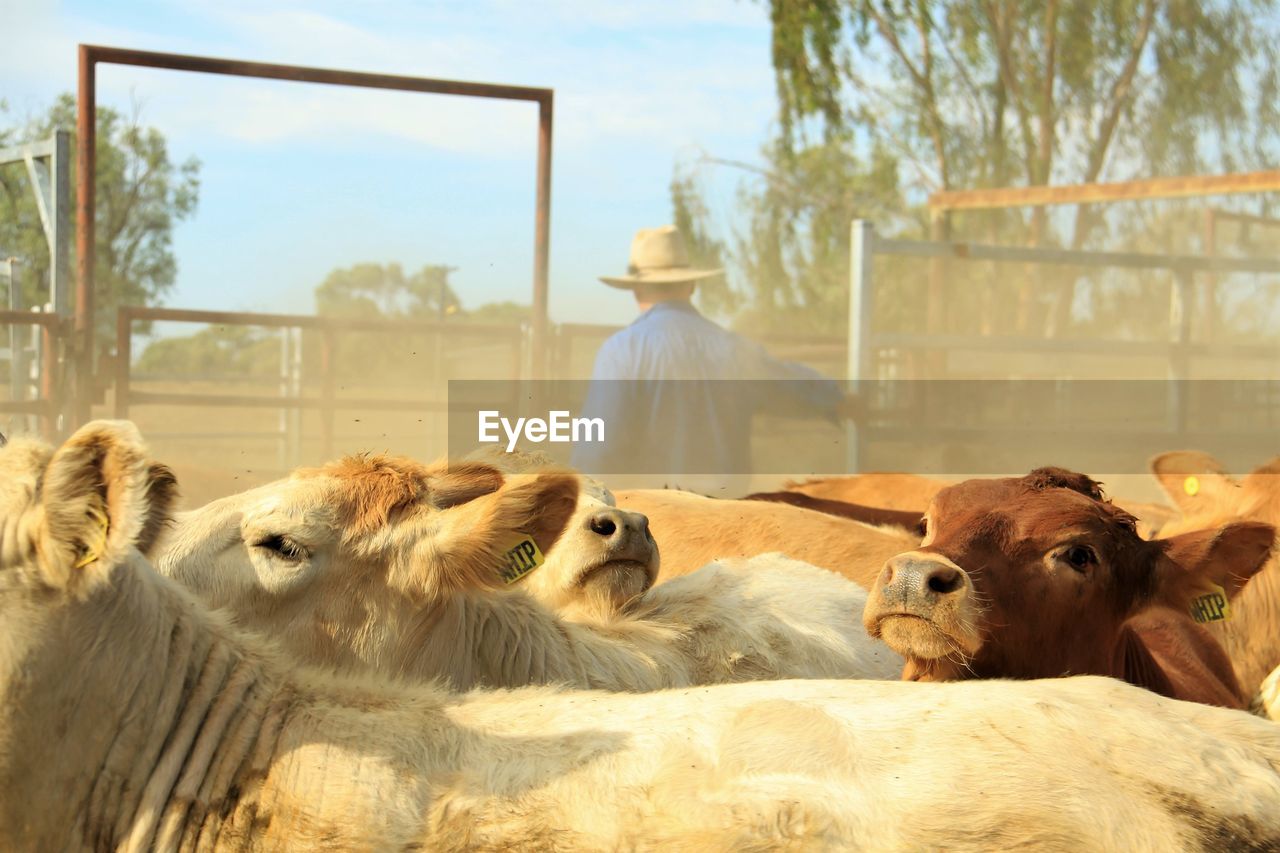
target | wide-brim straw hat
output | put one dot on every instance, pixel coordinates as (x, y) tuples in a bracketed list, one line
[(658, 256)]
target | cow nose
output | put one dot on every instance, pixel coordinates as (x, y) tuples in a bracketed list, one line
[(912, 578), (616, 524)]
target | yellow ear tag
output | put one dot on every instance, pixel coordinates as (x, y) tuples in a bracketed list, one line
[(1212, 606), (1191, 486), (520, 559), (95, 551)]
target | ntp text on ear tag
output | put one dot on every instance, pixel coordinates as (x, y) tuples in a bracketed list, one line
[(521, 558), (1212, 606)]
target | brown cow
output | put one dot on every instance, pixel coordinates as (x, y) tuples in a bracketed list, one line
[(1040, 576), (1208, 496)]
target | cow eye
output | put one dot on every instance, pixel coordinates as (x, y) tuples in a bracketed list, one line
[(283, 547), (1080, 557)]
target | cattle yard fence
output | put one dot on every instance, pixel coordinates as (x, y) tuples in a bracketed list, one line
[(324, 378), (877, 354), (36, 337), (34, 342)]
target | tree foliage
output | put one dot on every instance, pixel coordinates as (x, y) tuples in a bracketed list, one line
[(975, 93), (383, 290), (791, 253), (141, 194), (364, 291), (950, 94)]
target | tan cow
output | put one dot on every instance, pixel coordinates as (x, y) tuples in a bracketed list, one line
[(133, 718), (1208, 496), (693, 530), (913, 492), (883, 489), (355, 565)]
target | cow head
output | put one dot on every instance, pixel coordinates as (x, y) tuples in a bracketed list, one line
[(345, 562), (71, 514), (606, 556), (1036, 576)]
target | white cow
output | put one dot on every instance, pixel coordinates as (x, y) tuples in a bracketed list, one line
[(133, 718), (383, 564)]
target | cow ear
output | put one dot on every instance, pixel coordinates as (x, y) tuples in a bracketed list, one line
[(1263, 484), (462, 482), (1194, 481), (162, 496), (1135, 664), (1224, 557), (475, 545), (101, 496), (542, 506)]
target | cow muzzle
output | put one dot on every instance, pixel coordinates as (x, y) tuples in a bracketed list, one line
[(622, 535), (922, 607), (628, 555)]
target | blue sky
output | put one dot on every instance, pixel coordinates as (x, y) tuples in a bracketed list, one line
[(298, 179)]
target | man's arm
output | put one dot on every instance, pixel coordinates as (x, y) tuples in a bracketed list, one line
[(794, 389)]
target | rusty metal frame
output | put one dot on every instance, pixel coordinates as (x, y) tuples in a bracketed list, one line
[(93, 55), (1151, 188)]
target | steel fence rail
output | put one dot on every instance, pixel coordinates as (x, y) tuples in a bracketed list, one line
[(1069, 257), (327, 402)]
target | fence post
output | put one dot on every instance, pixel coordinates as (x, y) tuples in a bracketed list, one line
[(858, 360), (124, 356), (1180, 295)]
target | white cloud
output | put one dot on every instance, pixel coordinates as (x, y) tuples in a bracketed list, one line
[(655, 86), (646, 72), (652, 14)]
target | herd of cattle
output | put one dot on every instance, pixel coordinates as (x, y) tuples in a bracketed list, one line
[(380, 654)]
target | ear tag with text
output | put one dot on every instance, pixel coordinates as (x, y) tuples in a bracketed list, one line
[(1212, 606), (1191, 486), (520, 559)]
